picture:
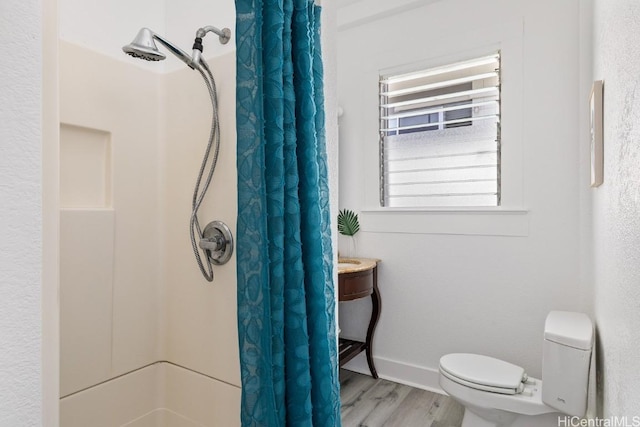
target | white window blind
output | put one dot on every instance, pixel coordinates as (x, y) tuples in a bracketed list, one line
[(440, 136)]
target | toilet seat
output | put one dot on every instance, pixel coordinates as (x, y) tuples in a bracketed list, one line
[(483, 373)]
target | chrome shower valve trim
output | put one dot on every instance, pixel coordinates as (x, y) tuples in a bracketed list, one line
[(217, 242)]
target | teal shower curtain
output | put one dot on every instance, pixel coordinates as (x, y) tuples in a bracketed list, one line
[(286, 316)]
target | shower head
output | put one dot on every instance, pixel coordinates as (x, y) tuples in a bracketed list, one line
[(144, 47)]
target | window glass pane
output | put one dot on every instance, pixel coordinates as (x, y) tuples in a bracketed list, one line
[(440, 136)]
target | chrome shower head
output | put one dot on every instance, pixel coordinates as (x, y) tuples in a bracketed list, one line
[(144, 47)]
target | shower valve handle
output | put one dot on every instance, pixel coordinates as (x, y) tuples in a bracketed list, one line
[(217, 241), (212, 243)]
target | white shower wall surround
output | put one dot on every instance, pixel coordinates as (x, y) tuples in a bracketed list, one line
[(131, 294), (108, 324), (158, 395)]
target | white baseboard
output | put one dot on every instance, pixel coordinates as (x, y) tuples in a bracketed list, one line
[(404, 373)]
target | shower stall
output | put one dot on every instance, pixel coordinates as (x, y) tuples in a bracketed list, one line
[(145, 338)]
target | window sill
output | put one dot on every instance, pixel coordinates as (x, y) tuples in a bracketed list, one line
[(491, 221)]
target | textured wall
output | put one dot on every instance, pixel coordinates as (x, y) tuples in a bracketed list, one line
[(616, 208), (20, 213)]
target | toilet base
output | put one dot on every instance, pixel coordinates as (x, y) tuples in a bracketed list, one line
[(472, 420), (483, 417), (508, 419)]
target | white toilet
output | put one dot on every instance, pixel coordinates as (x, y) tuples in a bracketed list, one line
[(499, 394)]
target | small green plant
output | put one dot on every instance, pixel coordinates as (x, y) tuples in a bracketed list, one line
[(348, 224)]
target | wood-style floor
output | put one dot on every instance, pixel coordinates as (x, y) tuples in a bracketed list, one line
[(367, 402)]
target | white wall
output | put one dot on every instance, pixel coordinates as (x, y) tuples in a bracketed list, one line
[(476, 281), (329, 34), (201, 323), (616, 204), (109, 278), (183, 18), (105, 26), (21, 225)]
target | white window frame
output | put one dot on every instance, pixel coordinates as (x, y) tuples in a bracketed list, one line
[(440, 78), (511, 217)]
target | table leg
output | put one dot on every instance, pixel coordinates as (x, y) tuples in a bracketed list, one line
[(375, 315)]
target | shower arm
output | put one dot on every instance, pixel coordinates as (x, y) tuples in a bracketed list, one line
[(194, 61), (224, 36)]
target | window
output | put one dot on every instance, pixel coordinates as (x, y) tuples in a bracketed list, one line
[(440, 136)]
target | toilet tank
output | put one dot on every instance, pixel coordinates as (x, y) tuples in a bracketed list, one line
[(568, 341)]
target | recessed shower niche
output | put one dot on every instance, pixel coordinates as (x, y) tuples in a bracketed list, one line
[(85, 167)]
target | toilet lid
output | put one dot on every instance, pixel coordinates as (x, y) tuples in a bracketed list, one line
[(483, 372)]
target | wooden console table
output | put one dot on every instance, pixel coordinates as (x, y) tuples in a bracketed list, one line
[(358, 278)]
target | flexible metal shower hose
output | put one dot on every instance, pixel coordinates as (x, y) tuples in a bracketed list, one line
[(198, 194)]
